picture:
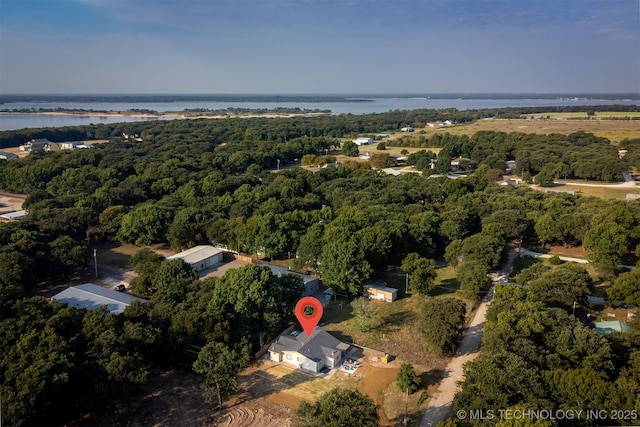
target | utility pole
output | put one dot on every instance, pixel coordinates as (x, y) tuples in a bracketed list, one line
[(406, 286), (95, 261), (406, 406)]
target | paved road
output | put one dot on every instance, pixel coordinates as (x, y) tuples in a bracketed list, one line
[(567, 258), (112, 276), (562, 257), (627, 184), (441, 402)]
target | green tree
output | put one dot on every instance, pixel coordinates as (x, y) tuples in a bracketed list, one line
[(174, 278), (339, 408), (255, 303), (607, 242), (479, 247), (422, 272), (344, 267), (364, 311), (407, 379), (626, 288), (310, 247), (506, 224), (441, 323), (68, 254), (349, 148), (146, 224), (219, 365), (473, 277), (562, 286)]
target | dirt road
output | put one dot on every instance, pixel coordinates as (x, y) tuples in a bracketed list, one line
[(441, 403)]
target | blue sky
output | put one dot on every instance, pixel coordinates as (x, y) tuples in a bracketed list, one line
[(319, 46)]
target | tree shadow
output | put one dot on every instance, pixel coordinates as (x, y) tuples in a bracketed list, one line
[(433, 377), (340, 335), (261, 382), (468, 346), (446, 287), (338, 310), (520, 263), (394, 321)]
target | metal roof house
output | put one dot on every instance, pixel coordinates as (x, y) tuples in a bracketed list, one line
[(90, 296), (311, 284), (309, 353), (200, 257), (13, 216)]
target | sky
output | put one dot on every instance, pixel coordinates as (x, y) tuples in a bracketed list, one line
[(319, 46)]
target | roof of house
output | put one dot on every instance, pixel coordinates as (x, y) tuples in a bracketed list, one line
[(92, 296), (608, 326), (316, 347), (7, 156), (380, 287), (10, 216), (196, 254), (281, 271)]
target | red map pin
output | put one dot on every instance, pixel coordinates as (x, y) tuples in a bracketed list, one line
[(309, 321)]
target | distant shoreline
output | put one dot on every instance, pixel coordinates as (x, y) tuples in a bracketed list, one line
[(306, 98), (166, 115), (145, 98)]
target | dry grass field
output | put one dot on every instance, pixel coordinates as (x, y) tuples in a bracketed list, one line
[(614, 130)]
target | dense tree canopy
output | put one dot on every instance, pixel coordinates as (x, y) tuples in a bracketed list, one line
[(337, 408)]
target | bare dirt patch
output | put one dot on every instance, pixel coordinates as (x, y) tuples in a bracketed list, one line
[(10, 202)]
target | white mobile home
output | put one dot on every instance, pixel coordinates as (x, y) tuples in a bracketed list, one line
[(363, 141), (200, 257)]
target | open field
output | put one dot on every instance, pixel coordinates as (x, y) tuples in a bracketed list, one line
[(599, 115), (602, 192), (614, 130)]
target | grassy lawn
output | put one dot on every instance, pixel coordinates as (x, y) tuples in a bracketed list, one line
[(393, 327), (521, 263), (114, 255)]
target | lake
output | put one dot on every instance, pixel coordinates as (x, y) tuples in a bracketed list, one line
[(376, 105)]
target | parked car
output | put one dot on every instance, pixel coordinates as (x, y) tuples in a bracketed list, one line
[(119, 288)]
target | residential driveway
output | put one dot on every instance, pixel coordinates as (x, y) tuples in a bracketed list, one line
[(218, 270), (441, 403)]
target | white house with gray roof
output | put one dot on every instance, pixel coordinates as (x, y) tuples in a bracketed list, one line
[(200, 257), (309, 353)]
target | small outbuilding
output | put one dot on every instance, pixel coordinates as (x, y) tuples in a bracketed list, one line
[(90, 296), (363, 141), (380, 292), (200, 257)]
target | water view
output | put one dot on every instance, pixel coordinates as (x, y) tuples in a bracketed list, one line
[(347, 106)]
